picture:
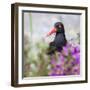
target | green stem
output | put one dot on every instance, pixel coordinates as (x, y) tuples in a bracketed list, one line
[(31, 23)]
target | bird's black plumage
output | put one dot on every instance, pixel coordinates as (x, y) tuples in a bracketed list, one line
[(60, 39)]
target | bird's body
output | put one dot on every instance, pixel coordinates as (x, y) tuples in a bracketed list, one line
[(60, 39)]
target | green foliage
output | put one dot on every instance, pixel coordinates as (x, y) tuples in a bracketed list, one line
[(37, 60)]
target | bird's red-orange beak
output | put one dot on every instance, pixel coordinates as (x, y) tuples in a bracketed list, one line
[(51, 31)]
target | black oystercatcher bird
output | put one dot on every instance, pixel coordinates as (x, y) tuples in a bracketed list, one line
[(60, 39)]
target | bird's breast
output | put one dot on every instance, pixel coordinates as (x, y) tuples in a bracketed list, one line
[(60, 40)]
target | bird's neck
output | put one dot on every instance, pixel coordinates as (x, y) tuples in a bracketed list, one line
[(60, 31)]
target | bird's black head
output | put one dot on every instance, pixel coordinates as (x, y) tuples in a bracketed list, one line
[(59, 27)]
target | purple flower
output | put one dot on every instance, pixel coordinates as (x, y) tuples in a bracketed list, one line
[(72, 50), (65, 51), (68, 69), (58, 66), (53, 61), (62, 58), (67, 61), (76, 70), (77, 49), (52, 74), (68, 45), (76, 58)]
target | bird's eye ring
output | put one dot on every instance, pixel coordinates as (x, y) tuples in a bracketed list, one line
[(59, 26)]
